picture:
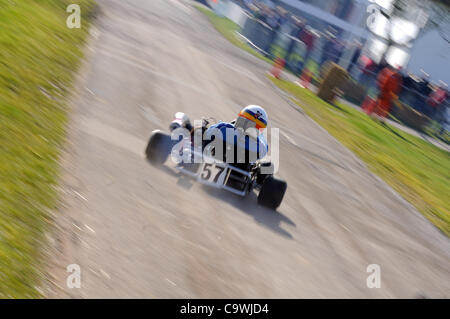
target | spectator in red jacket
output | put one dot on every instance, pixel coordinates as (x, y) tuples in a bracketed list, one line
[(389, 82)]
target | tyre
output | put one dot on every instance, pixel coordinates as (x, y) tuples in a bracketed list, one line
[(266, 169), (158, 148), (272, 192)]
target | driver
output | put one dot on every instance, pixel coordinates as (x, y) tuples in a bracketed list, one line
[(244, 133)]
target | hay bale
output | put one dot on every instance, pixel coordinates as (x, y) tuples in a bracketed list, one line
[(334, 79)]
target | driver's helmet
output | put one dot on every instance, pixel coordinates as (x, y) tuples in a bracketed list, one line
[(252, 117)]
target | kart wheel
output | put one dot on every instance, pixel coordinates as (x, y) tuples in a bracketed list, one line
[(158, 148), (272, 192), (266, 169)]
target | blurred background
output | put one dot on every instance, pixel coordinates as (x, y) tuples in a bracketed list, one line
[(362, 37)]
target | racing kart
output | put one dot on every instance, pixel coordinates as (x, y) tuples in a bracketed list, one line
[(237, 178)]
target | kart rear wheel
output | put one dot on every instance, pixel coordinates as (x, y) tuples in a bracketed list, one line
[(158, 148), (272, 192)]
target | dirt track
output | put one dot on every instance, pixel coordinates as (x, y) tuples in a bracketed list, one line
[(137, 231)]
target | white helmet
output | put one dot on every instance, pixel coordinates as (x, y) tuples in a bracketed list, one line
[(252, 116)]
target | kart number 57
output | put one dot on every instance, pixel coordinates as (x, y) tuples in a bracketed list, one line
[(211, 172)]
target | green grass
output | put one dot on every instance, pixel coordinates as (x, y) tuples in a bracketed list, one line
[(435, 130), (417, 170), (228, 29), (38, 58)]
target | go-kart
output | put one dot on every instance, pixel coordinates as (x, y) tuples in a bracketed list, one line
[(237, 177)]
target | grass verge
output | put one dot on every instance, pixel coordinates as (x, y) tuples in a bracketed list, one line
[(38, 57), (416, 169)]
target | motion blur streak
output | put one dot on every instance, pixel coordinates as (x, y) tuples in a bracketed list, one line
[(157, 235)]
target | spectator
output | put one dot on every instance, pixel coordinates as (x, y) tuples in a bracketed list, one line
[(272, 20), (263, 13), (368, 67), (336, 51), (258, 13), (340, 46), (408, 95), (424, 90), (295, 33), (297, 28), (355, 56), (308, 38), (389, 83), (283, 17), (436, 99), (327, 48)]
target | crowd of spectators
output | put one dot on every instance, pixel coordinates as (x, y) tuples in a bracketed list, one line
[(416, 91)]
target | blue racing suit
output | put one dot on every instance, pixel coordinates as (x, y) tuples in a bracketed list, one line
[(258, 146)]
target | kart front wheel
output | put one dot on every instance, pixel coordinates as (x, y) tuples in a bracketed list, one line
[(158, 148), (272, 192)]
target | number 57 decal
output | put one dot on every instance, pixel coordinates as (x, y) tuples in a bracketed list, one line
[(212, 172)]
